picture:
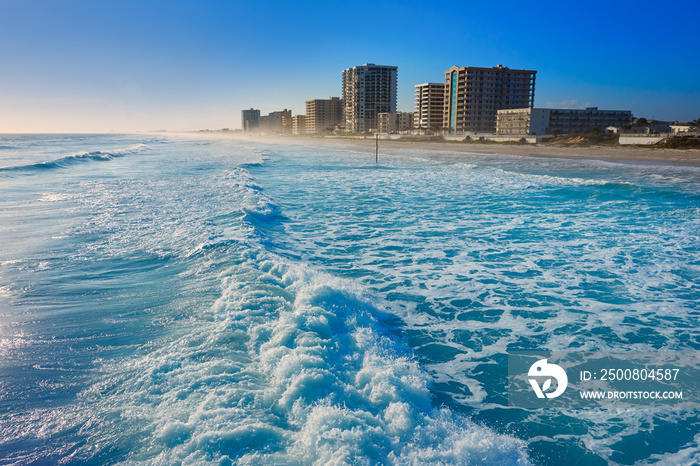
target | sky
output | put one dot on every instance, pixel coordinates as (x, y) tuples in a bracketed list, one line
[(107, 65)]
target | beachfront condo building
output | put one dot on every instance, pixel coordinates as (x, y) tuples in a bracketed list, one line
[(430, 100), (250, 120), (276, 122), (367, 91), (323, 115), (281, 122), (264, 126), (394, 122), (299, 124), (540, 121), (473, 96)]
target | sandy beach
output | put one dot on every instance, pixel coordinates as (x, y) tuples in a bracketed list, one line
[(639, 153), (632, 153)]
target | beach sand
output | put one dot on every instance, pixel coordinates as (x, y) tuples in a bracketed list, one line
[(639, 153), (440, 149)]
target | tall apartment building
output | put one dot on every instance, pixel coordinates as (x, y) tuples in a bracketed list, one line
[(299, 124), (323, 114), (250, 120), (430, 100), (473, 96), (546, 120), (394, 122), (368, 90)]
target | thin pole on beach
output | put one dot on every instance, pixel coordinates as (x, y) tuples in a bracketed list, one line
[(376, 150)]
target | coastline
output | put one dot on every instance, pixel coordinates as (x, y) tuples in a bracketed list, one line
[(639, 153), (540, 150)]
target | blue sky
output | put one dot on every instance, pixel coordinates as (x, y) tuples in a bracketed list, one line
[(91, 66)]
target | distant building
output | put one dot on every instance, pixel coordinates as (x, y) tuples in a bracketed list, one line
[(473, 96), (299, 124), (281, 122), (250, 120), (680, 128), (323, 115), (430, 100), (287, 125), (657, 128), (367, 91), (394, 122), (541, 121), (264, 126)]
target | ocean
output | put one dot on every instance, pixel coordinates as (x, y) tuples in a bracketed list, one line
[(203, 300)]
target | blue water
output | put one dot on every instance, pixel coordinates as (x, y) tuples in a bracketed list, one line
[(181, 300)]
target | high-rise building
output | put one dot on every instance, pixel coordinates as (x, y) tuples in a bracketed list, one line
[(473, 96), (323, 114), (250, 120), (368, 90), (430, 99)]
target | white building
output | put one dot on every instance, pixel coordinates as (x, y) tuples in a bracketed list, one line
[(681, 128)]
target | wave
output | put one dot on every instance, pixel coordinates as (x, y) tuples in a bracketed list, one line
[(67, 161), (292, 365), (289, 366)]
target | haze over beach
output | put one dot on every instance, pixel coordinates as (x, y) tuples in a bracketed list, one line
[(216, 249)]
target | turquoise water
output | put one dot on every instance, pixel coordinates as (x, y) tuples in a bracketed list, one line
[(170, 300)]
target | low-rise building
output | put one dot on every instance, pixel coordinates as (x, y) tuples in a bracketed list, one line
[(539, 121), (394, 122), (679, 128)]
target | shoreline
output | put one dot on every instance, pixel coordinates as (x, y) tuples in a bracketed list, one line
[(611, 153), (540, 150)]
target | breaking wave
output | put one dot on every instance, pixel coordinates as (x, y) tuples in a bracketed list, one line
[(67, 161)]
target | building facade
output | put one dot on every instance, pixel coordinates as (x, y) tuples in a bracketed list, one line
[(430, 100), (281, 122), (473, 96), (367, 91), (299, 124), (323, 115), (541, 121), (250, 120), (264, 126), (394, 122)]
